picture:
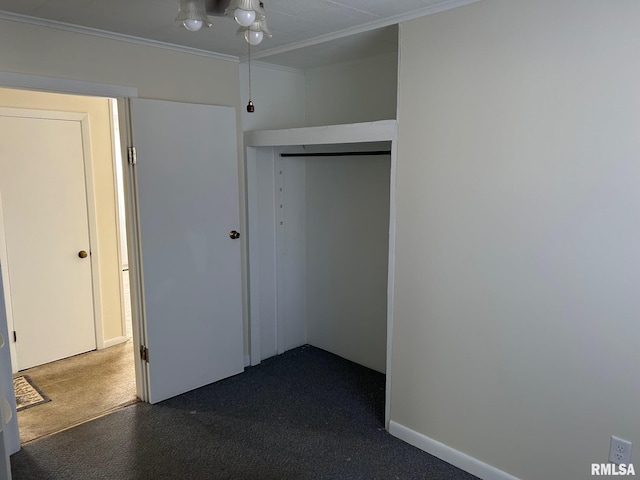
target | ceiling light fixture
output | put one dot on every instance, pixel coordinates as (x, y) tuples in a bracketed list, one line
[(192, 15), (249, 14)]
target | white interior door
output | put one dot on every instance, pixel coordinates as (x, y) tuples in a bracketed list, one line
[(44, 202), (188, 202)]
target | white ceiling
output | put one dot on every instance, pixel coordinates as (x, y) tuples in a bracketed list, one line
[(310, 24)]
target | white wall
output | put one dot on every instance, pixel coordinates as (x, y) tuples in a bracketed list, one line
[(360, 91), (516, 337), (347, 249), (278, 95)]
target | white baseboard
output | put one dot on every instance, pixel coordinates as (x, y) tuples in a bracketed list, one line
[(113, 341), (448, 454)]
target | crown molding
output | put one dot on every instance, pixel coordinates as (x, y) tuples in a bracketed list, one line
[(14, 17), (385, 22)]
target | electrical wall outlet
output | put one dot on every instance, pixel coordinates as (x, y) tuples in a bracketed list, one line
[(620, 451)]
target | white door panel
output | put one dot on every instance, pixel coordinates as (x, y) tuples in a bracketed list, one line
[(188, 201), (42, 183)]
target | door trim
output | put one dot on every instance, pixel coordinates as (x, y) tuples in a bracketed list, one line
[(83, 119), (134, 249)]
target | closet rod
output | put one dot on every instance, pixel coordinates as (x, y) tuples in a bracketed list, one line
[(337, 154)]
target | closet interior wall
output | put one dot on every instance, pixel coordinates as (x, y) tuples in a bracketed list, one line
[(319, 250)]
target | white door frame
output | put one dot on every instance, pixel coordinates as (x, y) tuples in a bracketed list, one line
[(83, 119), (136, 272), (384, 130), (117, 151)]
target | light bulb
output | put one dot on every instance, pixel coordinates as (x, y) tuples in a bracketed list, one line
[(253, 37), (192, 25), (244, 17)]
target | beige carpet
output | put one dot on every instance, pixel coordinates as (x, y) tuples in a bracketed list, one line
[(80, 388)]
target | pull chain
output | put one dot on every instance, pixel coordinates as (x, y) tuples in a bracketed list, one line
[(250, 107)]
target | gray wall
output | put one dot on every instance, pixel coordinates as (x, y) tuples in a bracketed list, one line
[(516, 337)]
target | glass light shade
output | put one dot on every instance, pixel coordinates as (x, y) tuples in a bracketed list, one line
[(244, 17), (253, 37), (192, 15), (192, 25)]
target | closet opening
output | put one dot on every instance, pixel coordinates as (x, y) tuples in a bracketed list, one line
[(321, 227)]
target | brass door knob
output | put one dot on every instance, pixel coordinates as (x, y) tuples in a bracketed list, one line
[(82, 254), (234, 235)]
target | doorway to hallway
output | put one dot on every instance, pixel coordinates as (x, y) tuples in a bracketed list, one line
[(84, 386)]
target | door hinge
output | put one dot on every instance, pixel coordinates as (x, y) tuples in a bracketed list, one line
[(15, 336), (144, 353), (133, 156)]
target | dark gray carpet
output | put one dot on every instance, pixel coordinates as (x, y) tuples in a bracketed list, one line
[(306, 414)]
